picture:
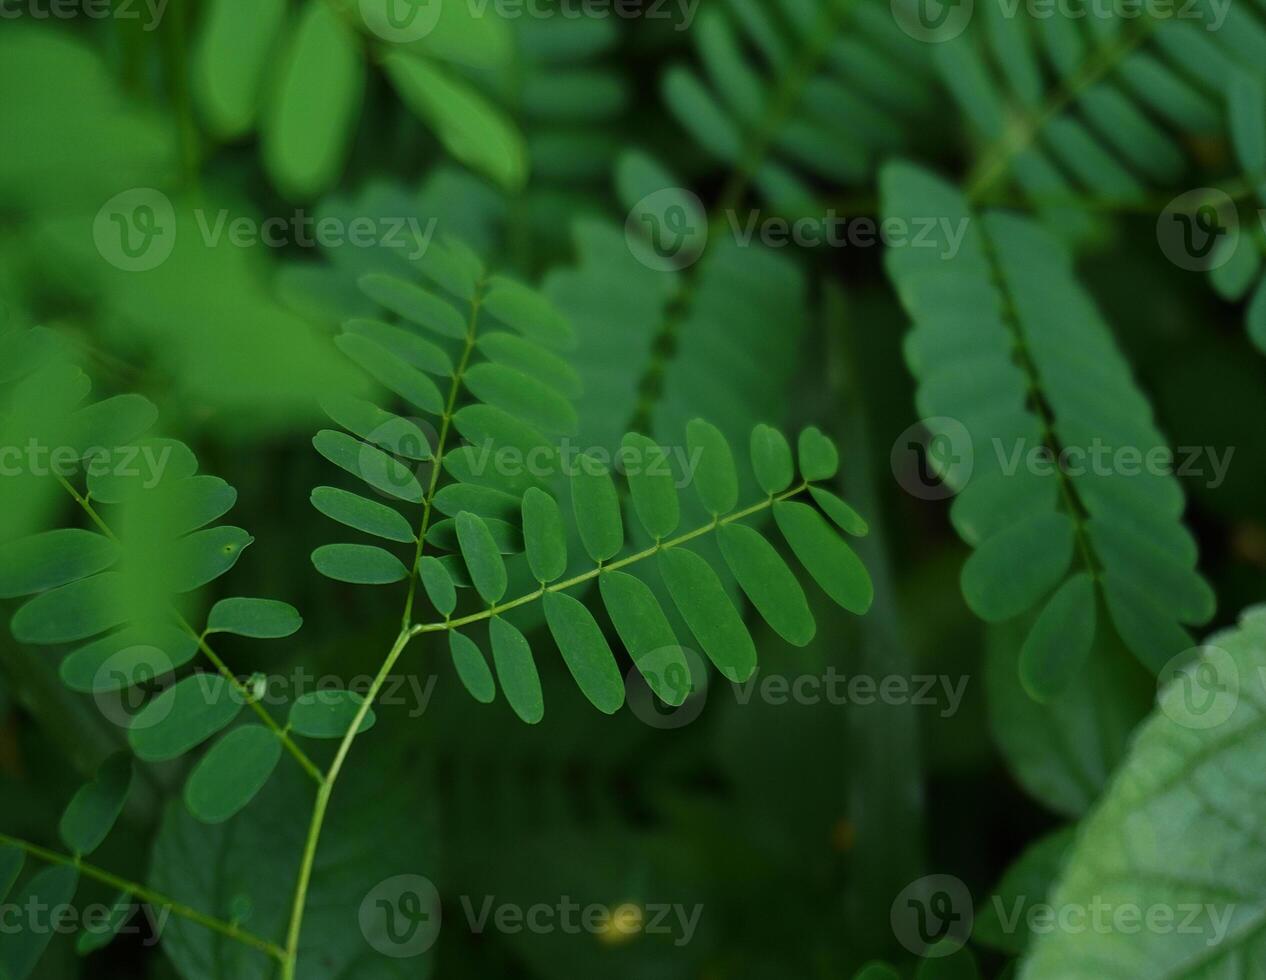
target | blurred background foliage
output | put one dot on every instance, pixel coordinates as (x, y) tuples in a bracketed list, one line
[(531, 138)]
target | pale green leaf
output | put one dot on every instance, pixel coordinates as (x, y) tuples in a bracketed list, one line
[(516, 671), (359, 564), (586, 651), (831, 562), (544, 535), (259, 618)]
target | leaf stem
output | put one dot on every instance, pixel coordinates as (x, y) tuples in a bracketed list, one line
[(154, 898), (440, 447), (322, 804), (609, 566)]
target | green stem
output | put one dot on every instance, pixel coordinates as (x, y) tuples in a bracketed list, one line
[(446, 423), (609, 566), (322, 804), (228, 929), (300, 756)]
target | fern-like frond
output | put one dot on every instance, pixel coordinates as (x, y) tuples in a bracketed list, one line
[(1235, 275), (697, 591), (1096, 109), (1009, 349), (656, 348), (520, 390), (801, 90), (119, 592)]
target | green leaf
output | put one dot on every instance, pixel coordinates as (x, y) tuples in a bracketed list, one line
[(831, 562), (167, 460), (360, 564), (183, 717), (392, 373), (544, 535), (596, 506), (230, 61), (472, 668), (585, 650), (328, 714), (313, 109), (438, 584), (204, 556), (1063, 752), (196, 501), (232, 773), (715, 477), (652, 485), (1011, 571), (845, 518), (523, 397), (483, 558), (771, 459), (414, 304), (647, 635), (132, 656), (1175, 831), (1059, 643), (819, 459), (384, 429), (768, 583), (260, 618), (368, 463), (516, 670), (54, 558), (483, 502), (405, 344), (50, 888), (493, 430), (702, 601), (533, 360), (73, 612), (362, 514), (471, 128), (91, 815), (92, 937), (507, 537), (528, 312)]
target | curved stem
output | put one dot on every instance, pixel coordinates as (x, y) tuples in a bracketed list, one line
[(291, 954), (229, 929)]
